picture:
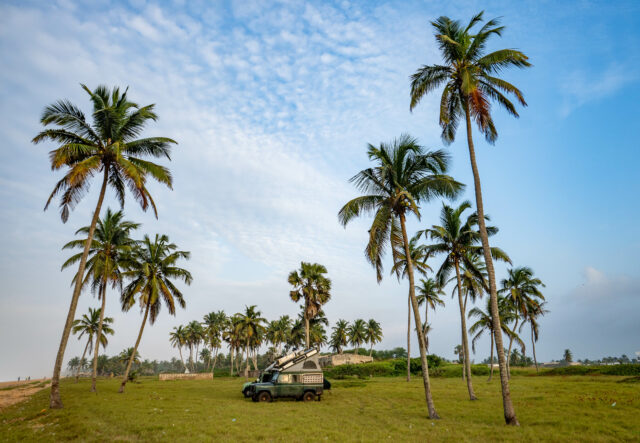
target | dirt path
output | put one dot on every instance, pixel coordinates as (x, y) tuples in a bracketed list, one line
[(15, 392)]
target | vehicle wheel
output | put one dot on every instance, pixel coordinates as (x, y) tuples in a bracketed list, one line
[(264, 397), (308, 396), (247, 393)]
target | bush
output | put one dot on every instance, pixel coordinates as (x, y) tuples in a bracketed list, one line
[(452, 371), (626, 369), (387, 368)]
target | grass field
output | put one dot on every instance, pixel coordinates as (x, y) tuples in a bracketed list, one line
[(550, 408)]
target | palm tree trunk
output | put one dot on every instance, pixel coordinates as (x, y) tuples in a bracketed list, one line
[(181, 359), (135, 349), (215, 360), (507, 404), (465, 340), (426, 325), (509, 351), (306, 330), (371, 349), (246, 368), (82, 359), (231, 357), (55, 402), (533, 348), (409, 337), (416, 312), (491, 361), (94, 372)]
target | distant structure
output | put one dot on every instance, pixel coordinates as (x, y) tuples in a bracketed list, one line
[(343, 359)]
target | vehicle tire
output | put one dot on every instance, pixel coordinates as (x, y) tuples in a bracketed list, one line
[(247, 393), (308, 396), (264, 397)]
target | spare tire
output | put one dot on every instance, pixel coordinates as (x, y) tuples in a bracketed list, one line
[(326, 384)]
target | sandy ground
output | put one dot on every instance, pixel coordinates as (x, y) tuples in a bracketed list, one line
[(13, 392)]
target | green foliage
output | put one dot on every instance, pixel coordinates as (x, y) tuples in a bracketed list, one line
[(626, 369), (387, 368)]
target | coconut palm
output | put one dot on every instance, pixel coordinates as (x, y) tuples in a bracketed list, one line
[(178, 339), (373, 334), (195, 335), (111, 242), (297, 336), (312, 286), (429, 292), (484, 323), (357, 334), (458, 241), (151, 269), (339, 336), (317, 335), (278, 332), (403, 177), (567, 357), (535, 310), (250, 327), (129, 355), (215, 323), (92, 325), (419, 258), (231, 336), (108, 146), (469, 76), (521, 289)]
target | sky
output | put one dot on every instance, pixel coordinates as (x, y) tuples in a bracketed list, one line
[(273, 104)]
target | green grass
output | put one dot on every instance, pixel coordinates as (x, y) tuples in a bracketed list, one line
[(387, 408)]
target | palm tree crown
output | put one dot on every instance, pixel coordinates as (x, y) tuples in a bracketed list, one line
[(109, 145), (468, 75)]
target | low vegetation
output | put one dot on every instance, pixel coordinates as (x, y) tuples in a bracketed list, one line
[(552, 408)]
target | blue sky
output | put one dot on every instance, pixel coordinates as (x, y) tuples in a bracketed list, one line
[(272, 106)]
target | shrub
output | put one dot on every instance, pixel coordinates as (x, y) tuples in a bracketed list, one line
[(386, 368), (626, 369)]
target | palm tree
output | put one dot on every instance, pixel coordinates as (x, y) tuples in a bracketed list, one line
[(178, 338), (484, 322), (429, 293), (75, 364), (108, 146), (231, 336), (522, 291), (373, 334), (403, 177), (470, 82), (129, 355), (278, 332), (250, 327), (357, 334), (458, 241), (151, 270), (215, 323), (92, 325), (297, 337), (419, 260), (317, 335), (567, 356), (111, 241), (339, 336), (535, 310), (311, 285), (195, 334)]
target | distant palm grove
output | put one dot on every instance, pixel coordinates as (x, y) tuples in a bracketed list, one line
[(449, 256)]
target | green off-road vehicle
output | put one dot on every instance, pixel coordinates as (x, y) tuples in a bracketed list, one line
[(297, 375)]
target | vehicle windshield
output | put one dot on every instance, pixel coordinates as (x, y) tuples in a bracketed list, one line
[(265, 377)]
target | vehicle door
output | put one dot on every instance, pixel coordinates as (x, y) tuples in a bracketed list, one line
[(285, 385)]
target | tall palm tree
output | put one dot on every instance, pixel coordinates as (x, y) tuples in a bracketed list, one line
[(109, 146), (129, 355), (178, 339), (231, 336), (403, 177), (484, 322), (522, 290), (317, 335), (297, 336), (195, 334), (151, 269), (373, 334), (470, 81), (429, 292), (278, 332), (339, 336), (457, 240), (111, 242), (250, 327), (419, 258), (535, 310), (312, 286), (215, 323), (92, 325), (357, 334)]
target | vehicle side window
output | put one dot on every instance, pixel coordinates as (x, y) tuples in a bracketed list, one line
[(284, 378)]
